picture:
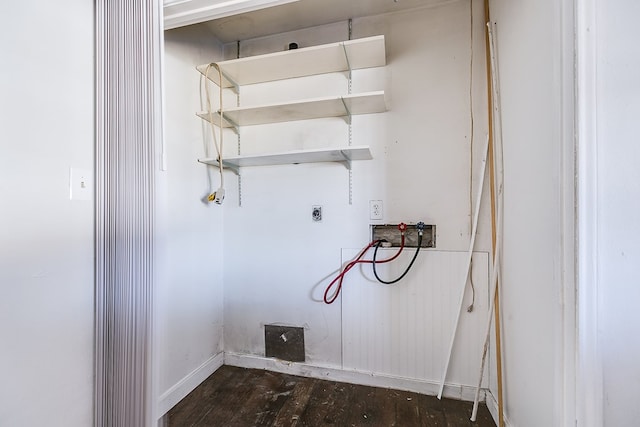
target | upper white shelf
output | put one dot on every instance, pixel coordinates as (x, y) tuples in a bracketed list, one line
[(329, 58), (337, 106)]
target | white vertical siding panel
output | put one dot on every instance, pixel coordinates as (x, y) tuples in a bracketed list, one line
[(404, 329)]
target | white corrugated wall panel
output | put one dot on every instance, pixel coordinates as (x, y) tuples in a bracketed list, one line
[(404, 330)]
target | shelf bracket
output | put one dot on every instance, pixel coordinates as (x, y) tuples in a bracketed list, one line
[(346, 160), (346, 56), (234, 126), (347, 117), (232, 168), (234, 85)]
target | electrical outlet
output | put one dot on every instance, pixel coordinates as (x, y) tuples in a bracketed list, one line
[(316, 213), (375, 209)]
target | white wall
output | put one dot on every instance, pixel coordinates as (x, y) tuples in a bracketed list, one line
[(618, 175), (46, 240), (277, 260), (529, 41), (190, 235)]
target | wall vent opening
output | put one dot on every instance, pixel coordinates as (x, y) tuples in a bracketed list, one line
[(284, 342)]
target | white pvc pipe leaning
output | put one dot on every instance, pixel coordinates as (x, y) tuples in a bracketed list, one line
[(474, 230), (495, 273)]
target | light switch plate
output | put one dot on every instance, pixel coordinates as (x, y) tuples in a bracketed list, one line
[(80, 184)]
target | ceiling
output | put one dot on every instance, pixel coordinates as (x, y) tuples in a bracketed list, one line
[(303, 14)]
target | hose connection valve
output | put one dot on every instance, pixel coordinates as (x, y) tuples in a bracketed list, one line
[(420, 228)]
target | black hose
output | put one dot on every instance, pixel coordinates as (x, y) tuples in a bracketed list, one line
[(415, 255)]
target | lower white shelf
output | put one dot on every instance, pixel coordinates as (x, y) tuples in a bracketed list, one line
[(340, 155)]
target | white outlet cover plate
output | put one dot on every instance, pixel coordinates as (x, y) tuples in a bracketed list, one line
[(80, 184), (375, 209)]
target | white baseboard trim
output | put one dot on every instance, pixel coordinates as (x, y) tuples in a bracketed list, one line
[(492, 405), (459, 392), (178, 391)]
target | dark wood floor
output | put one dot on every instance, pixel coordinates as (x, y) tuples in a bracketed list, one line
[(237, 397)]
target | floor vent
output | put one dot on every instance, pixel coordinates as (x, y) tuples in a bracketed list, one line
[(284, 342)]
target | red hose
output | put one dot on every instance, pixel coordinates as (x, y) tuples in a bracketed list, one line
[(329, 300)]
